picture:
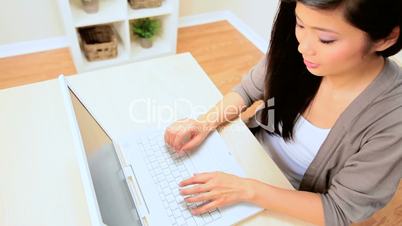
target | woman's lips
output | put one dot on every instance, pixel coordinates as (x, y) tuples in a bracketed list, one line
[(311, 65)]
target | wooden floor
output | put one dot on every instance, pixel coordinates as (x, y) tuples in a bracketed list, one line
[(220, 49), (25, 69)]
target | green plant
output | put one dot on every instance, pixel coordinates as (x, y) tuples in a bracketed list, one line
[(146, 27)]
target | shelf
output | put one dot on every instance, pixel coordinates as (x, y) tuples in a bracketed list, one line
[(119, 14), (122, 52), (122, 56), (162, 43), (109, 11), (160, 47), (165, 8)]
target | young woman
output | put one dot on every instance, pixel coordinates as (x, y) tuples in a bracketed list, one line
[(337, 127)]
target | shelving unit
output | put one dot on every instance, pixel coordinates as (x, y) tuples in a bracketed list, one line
[(120, 15)]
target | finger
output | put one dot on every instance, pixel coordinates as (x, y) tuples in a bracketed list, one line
[(206, 207), (200, 178), (168, 135), (181, 137), (173, 134), (206, 196), (194, 190), (194, 142), (172, 129), (175, 130)]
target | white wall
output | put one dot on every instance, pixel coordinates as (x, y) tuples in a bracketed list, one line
[(258, 14), (27, 20)]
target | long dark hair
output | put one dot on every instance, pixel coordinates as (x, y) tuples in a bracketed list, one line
[(287, 79)]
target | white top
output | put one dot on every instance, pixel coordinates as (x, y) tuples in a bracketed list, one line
[(294, 157)]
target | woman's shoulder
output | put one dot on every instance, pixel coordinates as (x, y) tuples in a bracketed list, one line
[(395, 67), (389, 99), (393, 81), (382, 105), (397, 60)]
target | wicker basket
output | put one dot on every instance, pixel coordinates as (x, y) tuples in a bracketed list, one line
[(98, 42), (138, 4)]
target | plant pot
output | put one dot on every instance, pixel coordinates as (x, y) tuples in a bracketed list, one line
[(145, 42), (90, 6), (139, 4)]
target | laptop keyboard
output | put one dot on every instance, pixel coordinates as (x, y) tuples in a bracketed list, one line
[(167, 170)]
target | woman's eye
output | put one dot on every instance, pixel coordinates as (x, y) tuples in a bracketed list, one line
[(299, 26), (327, 41)]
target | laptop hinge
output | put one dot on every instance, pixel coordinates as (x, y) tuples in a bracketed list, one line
[(136, 192)]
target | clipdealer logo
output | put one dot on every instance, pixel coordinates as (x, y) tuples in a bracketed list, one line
[(271, 115), (151, 111)]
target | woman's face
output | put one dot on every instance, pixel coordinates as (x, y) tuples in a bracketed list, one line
[(328, 43)]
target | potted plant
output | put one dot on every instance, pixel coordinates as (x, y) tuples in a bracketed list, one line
[(146, 29), (139, 4), (90, 6)]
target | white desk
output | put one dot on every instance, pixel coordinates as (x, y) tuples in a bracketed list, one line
[(40, 181), (110, 95)]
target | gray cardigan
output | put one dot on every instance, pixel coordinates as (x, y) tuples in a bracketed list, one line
[(358, 167)]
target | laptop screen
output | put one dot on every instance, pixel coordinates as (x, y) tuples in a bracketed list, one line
[(113, 196)]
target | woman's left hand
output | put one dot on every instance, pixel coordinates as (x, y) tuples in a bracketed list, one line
[(216, 190)]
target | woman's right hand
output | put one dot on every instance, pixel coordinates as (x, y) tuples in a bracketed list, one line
[(185, 135)]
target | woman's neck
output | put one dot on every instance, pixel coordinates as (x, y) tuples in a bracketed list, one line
[(356, 80)]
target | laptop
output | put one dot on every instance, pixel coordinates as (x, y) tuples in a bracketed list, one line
[(135, 177)]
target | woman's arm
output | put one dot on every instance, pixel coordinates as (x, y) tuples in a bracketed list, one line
[(250, 89), (229, 108), (220, 189), (303, 205), (185, 135)]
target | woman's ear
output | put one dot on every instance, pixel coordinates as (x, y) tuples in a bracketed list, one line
[(389, 41)]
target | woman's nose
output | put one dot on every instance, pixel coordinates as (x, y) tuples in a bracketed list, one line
[(306, 48)]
